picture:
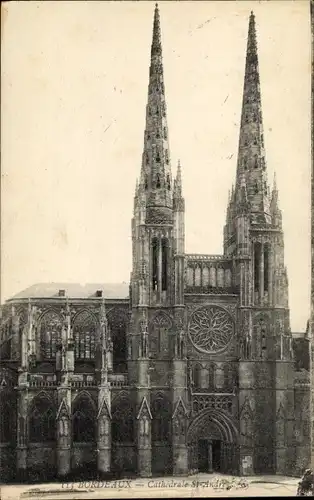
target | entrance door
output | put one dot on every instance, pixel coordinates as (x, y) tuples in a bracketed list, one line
[(216, 450), (203, 455)]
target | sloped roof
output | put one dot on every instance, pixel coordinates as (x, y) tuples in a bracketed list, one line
[(74, 290)]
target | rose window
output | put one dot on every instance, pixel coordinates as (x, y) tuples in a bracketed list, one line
[(211, 328)]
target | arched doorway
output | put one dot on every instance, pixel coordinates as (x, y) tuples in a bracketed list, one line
[(213, 443)]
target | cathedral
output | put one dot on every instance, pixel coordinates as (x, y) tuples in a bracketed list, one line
[(192, 367)]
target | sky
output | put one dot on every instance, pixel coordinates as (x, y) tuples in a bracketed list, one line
[(74, 91)]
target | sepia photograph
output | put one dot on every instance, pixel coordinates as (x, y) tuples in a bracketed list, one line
[(155, 335)]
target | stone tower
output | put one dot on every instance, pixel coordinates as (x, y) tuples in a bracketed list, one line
[(253, 237), (157, 338)]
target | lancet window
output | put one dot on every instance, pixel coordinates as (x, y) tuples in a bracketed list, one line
[(84, 330), (50, 334)]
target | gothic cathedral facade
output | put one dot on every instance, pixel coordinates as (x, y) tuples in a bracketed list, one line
[(190, 368)]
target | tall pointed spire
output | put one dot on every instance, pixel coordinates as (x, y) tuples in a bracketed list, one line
[(251, 154), (156, 181)]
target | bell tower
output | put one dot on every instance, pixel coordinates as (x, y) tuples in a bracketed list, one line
[(253, 237), (158, 263)]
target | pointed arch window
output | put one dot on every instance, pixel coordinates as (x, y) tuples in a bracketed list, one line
[(146, 182), (161, 419), (83, 420), (168, 182), (220, 277), (255, 161), (163, 110), (159, 338), (190, 276), (167, 156), (165, 262), (147, 159), (148, 135), (197, 371), (158, 179), (149, 111), (197, 276), (123, 422), (228, 379), (157, 135), (245, 163), (211, 376), (22, 324), (212, 277), (155, 248), (6, 349), (255, 141), (50, 334), (256, 188), (227, 278), (117, 320), (165, 133), (42, 421), (266, 266), (205, 276), (157, 110), (257, 257), (84, 329)]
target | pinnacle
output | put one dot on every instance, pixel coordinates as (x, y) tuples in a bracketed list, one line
[(275, 182), (156, 43)]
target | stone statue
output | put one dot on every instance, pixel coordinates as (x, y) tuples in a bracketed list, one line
[(130, 348), (181, 344), (63, 358), (144, 339)]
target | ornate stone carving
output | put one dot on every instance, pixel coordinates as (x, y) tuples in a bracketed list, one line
[(215, 402), (144, 338), (211, 328), (158, 216)]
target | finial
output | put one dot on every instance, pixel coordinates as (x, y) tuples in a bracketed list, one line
[(156, 43), (275, 182), (179, 172)]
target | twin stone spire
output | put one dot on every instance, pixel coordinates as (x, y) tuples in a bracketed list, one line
[(158, 191)]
